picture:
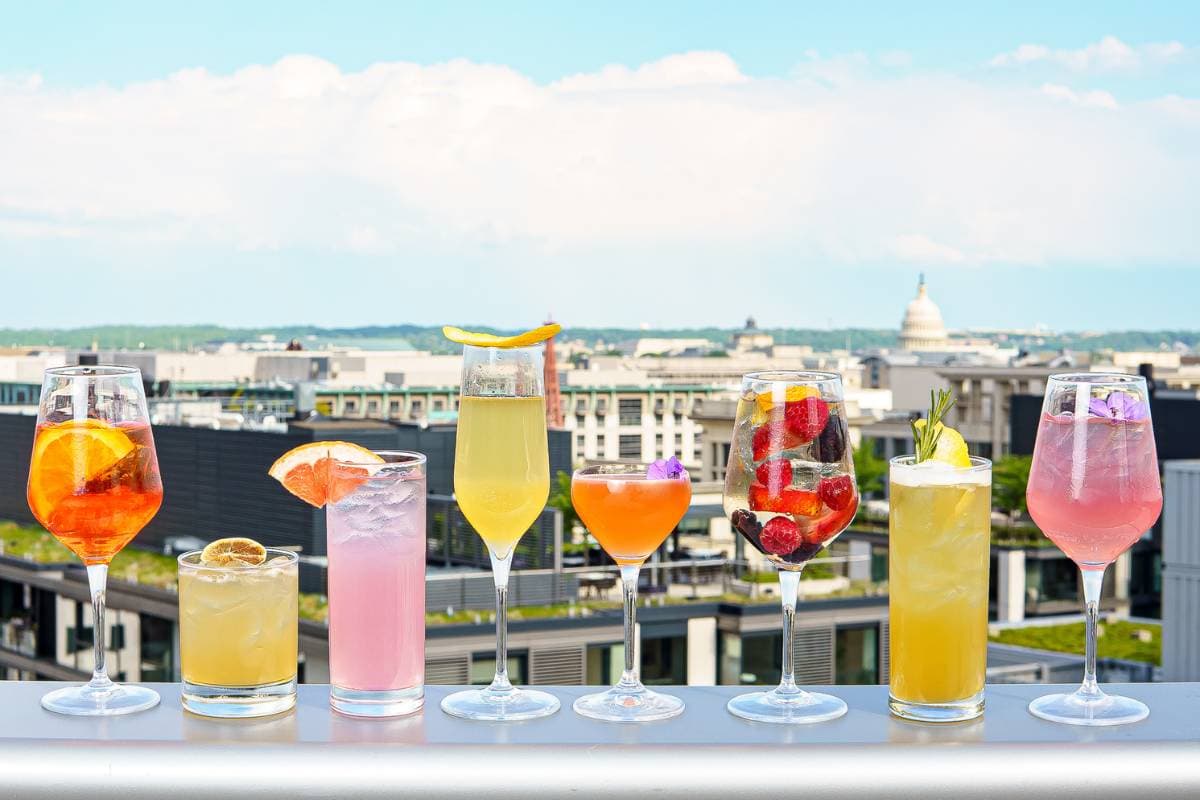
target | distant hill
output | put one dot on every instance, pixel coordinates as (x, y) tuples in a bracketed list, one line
[(427, 337)]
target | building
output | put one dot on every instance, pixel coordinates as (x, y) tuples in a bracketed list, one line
[(1181, 571), (922, 327)]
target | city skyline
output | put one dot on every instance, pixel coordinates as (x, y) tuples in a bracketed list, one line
[(671, 169)]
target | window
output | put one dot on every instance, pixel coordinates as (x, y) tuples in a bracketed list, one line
[(857, 654), (439, 405), (157, 651), (658, 445), (664, 661), (601, 445), (483, 668), (629, 446), (751, 660), (351, 406), (579, 420), (417, 406), (580, 443), (604, 663), (372, 406), (394, 408), (629, 410)]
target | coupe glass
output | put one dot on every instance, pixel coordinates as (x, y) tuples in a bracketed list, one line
[(94, 484), (789, 491), (630, 509), (1094, 490), (501, 483)]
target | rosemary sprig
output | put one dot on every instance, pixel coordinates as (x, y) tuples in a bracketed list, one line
[(926, 437)]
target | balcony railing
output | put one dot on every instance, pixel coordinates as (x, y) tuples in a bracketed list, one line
[(705, 753)]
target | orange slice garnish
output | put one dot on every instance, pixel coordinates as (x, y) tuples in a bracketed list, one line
[(233, 552), (306, 471), (67, 455)]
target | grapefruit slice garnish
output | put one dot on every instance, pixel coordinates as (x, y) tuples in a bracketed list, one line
[(306, 472), (233, 552), (459, 336), (69, 454)]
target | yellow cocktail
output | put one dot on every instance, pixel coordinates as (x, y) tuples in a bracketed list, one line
[(238, 635), (501, 467), (940, 535)]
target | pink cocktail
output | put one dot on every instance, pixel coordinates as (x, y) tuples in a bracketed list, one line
[(376, 543), (1094, 507), (1094, 490)]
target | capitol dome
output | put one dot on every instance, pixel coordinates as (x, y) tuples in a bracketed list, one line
[(922, 328)]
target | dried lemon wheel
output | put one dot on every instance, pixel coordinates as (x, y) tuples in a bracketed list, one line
[(233, 552)]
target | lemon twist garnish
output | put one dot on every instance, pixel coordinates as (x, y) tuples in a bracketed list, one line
[(936, 441), (460, 336)]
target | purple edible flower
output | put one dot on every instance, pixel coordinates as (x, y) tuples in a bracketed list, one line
[(666, 468), (1118, 406)]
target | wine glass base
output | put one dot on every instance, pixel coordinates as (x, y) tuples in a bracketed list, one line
[(489, 706), (787, 709), (83, 701), (628, 705), (1076, 709)]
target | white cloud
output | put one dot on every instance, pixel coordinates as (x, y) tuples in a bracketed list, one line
[(1110, 54), (1097, 98), (837, 164)]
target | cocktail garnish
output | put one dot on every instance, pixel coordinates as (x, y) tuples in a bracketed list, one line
[(1119, 406), (663, 469), (460, 336), (233, 552), (927, 433), (68, 455), (306, 471)]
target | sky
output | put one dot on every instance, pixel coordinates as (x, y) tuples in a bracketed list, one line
[(666, 164)]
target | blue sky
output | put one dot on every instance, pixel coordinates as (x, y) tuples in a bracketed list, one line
[(667, 163)]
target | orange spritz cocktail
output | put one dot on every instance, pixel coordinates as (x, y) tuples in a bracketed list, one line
[(629, 513), (94, 485)]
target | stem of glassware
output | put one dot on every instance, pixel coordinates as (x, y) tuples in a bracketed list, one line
[(1093, 580), (97, 581), (500, 569), (629, 582), (789, 589)]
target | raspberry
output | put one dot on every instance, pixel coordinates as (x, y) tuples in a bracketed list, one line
[(780, 536), (837, 492), (806, 418), (775, 474), (831, 444), (772, 438)]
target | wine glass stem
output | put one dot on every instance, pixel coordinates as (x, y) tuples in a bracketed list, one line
[(629, 587), (500, 570), (1093, 580), (789, 589), (97, 580)]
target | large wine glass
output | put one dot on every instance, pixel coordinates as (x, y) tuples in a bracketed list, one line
[(94, 484), (789, 491), (1094, 490), (501, 483)]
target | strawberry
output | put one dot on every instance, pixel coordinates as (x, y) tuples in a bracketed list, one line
[(836, 521), (763, 499), (774, 437), (805, 419), (775, 474), (800, 503), (837, 492), (780, 536)]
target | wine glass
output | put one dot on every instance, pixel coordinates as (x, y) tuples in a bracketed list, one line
[(501, 483), (631, 509), (789, 491), (1094, 490), (94, 484)]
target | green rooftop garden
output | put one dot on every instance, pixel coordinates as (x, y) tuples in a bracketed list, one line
[(1118, 639)]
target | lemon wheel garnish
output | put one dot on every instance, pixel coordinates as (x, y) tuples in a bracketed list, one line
[(233, 552), (459, 336)]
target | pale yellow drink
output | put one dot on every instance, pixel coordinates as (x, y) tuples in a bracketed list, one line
[(501, 467), (939, 547), (237, 626)]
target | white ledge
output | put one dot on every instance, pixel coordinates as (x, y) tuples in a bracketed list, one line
[(705, 753)]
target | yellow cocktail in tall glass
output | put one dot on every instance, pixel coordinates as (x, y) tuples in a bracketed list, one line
[(939, 547), (501, 467)]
